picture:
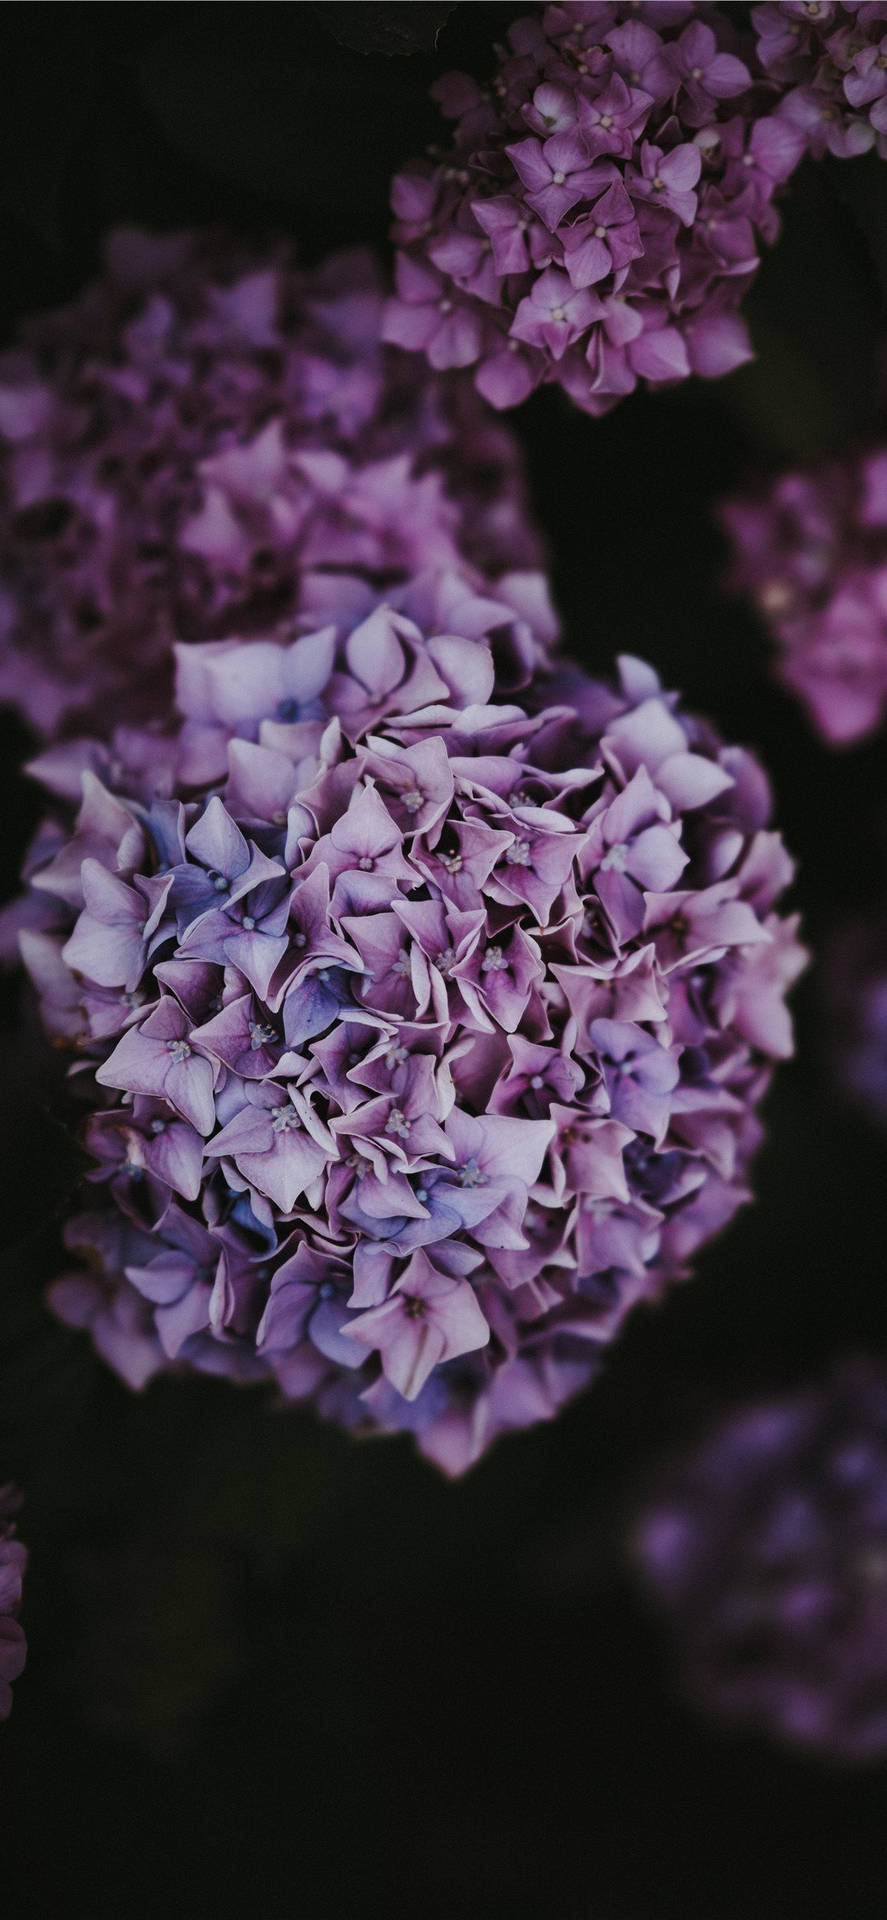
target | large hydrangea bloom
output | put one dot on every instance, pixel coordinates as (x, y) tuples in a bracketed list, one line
[(767, 1551), (422, 1034), (212, 438), (598, 216), (833, 61), (13, 1561), (811, 547)]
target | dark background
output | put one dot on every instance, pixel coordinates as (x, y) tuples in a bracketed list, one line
[(271, 1670)]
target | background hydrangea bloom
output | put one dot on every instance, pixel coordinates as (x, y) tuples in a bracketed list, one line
[(422, 1034), (13, 1561), (811, 547), (767, 1551), (598, 217), (856, 1010), (833, 59), (198, 443)]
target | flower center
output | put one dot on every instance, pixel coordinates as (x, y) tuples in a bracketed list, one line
[(397, 1123), (494, 961), (471, 1175), (286, 1120), (775, 596), (179, 1049)]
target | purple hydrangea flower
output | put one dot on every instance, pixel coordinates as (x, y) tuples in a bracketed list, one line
[(13, 1561), (811, 548), (598, 217), (766, 1552), (211, 440), (421, 1034), (833, 60)]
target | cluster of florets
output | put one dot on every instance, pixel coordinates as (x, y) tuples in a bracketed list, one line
[(833, 60), (767, 1550), (422, 1034), (598, 216), (13, 1561), (211, 439), (811, 547)]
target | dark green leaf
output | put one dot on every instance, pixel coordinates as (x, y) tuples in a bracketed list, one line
[(392, 30), (813, 317), (40, 1167), (862, 187), (272, 117)]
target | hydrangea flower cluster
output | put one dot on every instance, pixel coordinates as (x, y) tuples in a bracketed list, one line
[(767, 1551), (811, 547), (13, 1561), (211, 439), (833, 60), (422, 1034), (597, 218)]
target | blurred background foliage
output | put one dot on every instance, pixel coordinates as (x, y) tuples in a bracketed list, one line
[(268, 1665)]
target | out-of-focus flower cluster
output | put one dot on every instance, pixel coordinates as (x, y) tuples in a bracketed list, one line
[(767, 1551), (598, 216), (856, 1011), (422, 1033), (811, 547), (211, 439), (833, 60), (13, 1561)]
